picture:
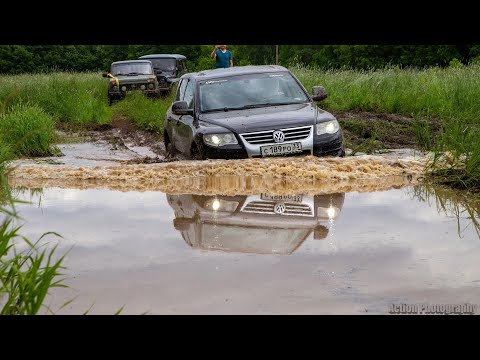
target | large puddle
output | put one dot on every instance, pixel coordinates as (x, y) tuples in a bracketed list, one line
[(254, 236), (242, 246)]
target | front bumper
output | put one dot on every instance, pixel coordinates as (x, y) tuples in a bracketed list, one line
[(317, 145), (224, 152)]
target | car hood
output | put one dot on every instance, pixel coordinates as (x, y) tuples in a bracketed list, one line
[(134, 79), (267, 118)]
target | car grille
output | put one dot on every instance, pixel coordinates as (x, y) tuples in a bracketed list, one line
[(266, 137), (269, 207)]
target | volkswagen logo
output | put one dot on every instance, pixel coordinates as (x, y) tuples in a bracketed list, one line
[(280, 207), (278, 136)]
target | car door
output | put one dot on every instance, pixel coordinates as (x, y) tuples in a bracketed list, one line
[(173, 120), (184, 128)]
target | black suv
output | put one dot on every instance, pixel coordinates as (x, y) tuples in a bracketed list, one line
[(168, 67), (131, 75), (249, 111)]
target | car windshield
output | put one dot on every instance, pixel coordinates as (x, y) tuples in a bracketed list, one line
[(164, 64), (250, 91), (132, 69)]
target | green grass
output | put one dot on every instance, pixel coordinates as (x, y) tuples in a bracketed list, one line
[(434, 92), (449, 94), (456, 160), (28, 270), (70, 97), (27, 131), (146, 113)]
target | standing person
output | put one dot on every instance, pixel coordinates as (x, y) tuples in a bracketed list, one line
[(222, 56)]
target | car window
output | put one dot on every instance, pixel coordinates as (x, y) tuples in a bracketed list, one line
[(132, 69), (181, 90), (166, 65), (265, 89), (188, 97)]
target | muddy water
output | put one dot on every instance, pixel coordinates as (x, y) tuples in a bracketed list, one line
[(254, 249), (261, 236)]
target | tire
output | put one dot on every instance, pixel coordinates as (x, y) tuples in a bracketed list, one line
[(195, 153), (170, 149)]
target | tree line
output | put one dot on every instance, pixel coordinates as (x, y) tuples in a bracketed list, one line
[(16, 59)]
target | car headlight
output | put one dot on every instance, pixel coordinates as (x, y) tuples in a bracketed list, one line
[(221, 205), (328, 213), (220, 139), (328, 127)]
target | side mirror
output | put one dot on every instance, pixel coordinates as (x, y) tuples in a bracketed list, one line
[(181, 108), (319, 93), (158, 72), (105, 74), (183, 224)]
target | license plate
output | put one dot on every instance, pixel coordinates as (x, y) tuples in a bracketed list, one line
[(281, 149), (293, 198)]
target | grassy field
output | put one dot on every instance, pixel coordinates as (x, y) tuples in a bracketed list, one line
[(450, 95), (447, 95)]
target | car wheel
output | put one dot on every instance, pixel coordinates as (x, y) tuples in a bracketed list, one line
[(170, 149), (195, 153)]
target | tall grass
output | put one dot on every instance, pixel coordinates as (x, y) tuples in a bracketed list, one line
[(28, 270), (27, 131), (433, 92), (450, 94), (80, 98), (148, 114)]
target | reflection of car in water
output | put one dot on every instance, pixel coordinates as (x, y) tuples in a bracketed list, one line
[(262, 224)]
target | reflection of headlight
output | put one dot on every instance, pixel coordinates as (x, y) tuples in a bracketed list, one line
[(328, 127), (221, 205), (328, 213), (219, 139)]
